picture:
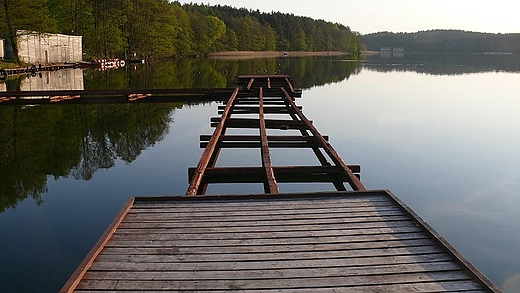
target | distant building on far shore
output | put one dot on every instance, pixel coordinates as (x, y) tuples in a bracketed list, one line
[(397, 52), (46, 48)]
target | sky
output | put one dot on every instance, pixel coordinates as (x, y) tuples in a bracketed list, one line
[(370, 16)]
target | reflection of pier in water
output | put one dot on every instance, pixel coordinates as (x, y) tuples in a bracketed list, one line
[(67, 87), (355, 240), (43, 81)]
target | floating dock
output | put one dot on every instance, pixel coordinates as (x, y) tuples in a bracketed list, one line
[(333, 241)]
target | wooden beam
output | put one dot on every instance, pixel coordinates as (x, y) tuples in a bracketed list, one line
[(283, 174), (271, 186), (274, 144), (206, 155), (250, 84), (271, 138), (354, 182), (255, 123)]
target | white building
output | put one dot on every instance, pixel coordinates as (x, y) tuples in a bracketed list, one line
[(2, 51), (46, 48)]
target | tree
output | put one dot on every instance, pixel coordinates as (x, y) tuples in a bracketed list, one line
[(208, 30), (24, 15)]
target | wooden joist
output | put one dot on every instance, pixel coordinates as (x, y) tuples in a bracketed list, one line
[(283, 174), (210, 149)]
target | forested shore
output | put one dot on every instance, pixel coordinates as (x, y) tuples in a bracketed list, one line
[(148, 29), (445, 41)]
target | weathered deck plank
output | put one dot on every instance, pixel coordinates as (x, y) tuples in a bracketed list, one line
[(173, 243)]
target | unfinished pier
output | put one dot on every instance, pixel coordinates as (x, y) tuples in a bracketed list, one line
[(345, 240)]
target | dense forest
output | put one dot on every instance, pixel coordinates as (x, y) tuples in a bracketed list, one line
[(162, 28), (456, 41)]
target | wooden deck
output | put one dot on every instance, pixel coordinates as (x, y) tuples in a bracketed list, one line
[(337, 241), (328, 242)]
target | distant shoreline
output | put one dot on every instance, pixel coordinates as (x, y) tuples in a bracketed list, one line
[(273, 54)]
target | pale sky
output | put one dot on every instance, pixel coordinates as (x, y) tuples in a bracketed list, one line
[(370, 16)]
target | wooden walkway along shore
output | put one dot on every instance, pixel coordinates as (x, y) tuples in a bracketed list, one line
[(63, 97), (333, 241)]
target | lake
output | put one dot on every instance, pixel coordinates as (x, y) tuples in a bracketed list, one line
[(442, 132)]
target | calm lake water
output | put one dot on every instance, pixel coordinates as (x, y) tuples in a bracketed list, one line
[(442, 132)]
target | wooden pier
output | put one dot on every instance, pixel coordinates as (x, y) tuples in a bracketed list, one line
[(63, 97), (333, 241)]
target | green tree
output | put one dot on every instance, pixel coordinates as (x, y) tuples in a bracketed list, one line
[(208, 30), (24, 15)]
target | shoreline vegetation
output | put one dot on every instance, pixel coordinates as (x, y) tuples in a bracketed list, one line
[(145, 29)]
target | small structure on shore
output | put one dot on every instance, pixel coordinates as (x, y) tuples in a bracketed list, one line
[(2, 51), (44, 48)]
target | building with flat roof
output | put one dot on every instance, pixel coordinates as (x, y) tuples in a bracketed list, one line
[(47, 48)]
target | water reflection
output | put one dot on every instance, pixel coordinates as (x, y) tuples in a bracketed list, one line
[(77, 141), (444, 64), (307, 72), (73, 140), (69, 79)]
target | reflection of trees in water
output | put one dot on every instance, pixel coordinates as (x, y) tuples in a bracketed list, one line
[(79, 140), (445, 63), (215, 73), (72, 140)]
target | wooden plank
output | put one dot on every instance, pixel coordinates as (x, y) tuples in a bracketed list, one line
[(268, 265), (341, 281), (286, 174), (247, 216), (132, 250), (270, 138), (374, 197), (257, 145), (270, 186), (365, 228), (279, 107), (451, 286), (158, 240), (256, 206), (265, 202), (189, 224), (360, 229), (217, 257), (275, 274), (377, 234), (255, 123), (273, 221), (289, 84), (250, 84), (206, 155), (217, 212)]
